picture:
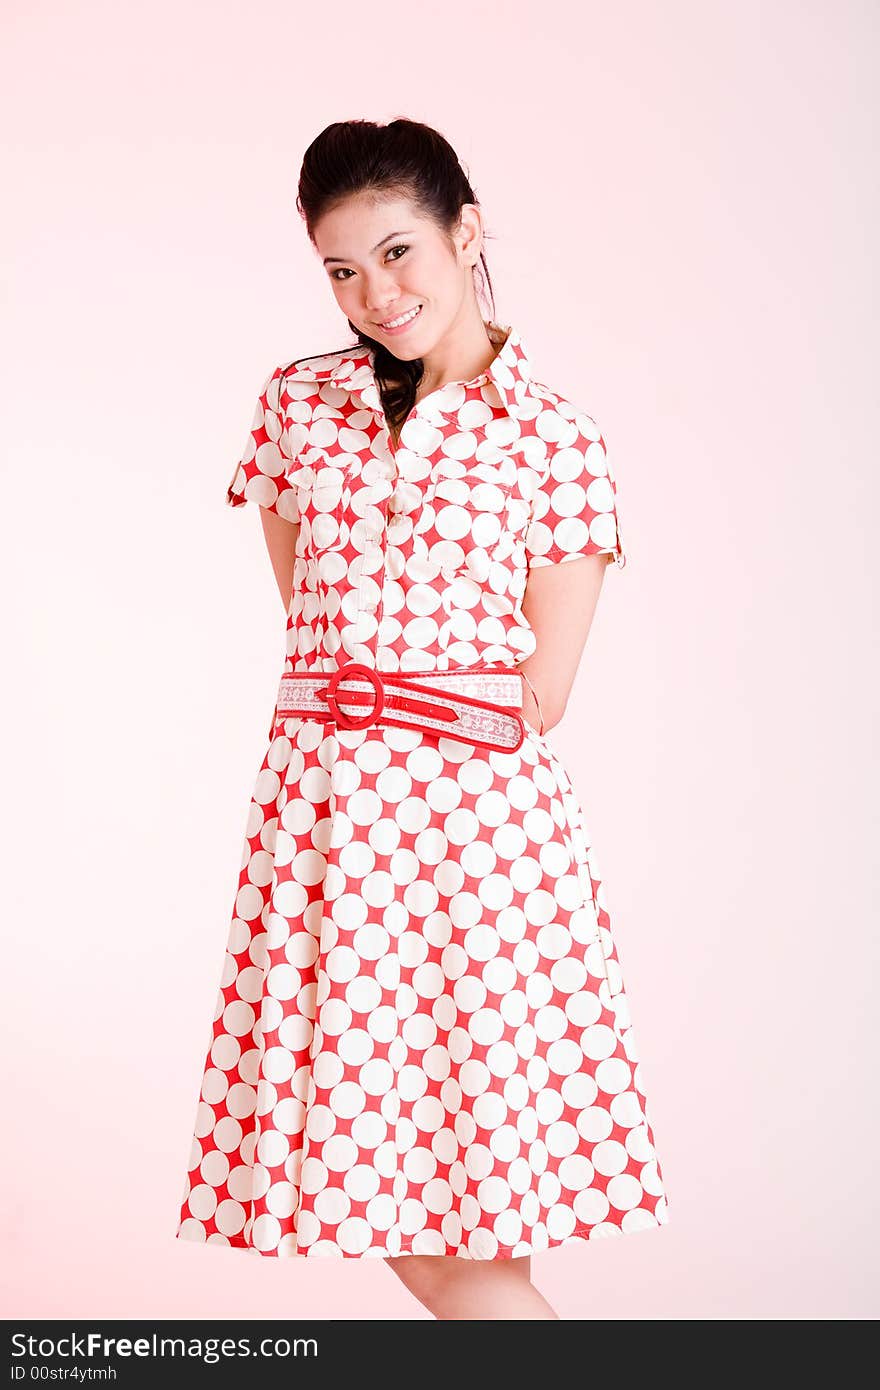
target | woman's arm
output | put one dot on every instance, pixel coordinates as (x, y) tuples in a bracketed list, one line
[(281, 537), (558, 605)]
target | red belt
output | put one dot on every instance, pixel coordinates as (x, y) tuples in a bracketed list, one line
[(476, 705)]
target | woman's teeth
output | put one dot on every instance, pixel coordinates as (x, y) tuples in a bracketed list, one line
[(404, 318)]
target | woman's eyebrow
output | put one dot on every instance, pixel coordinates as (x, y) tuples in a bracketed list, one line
[(389, 237)]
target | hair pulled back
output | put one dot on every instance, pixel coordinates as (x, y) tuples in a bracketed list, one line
[(400, 159)]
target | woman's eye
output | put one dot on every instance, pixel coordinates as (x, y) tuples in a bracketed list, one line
[(343, 272)]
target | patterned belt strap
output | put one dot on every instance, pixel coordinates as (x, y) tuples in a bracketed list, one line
[(478, 707)]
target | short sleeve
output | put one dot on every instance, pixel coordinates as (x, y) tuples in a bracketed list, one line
[(262, 472), (575, 508)]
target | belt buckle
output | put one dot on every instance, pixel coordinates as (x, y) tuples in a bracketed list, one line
[(350, 670)]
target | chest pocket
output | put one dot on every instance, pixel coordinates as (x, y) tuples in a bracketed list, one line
[(467, 518), (324, 491)]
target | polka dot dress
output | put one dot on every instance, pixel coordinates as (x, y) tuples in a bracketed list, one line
[(421, 1042)]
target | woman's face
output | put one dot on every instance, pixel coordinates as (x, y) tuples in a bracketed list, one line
[(385, 260)]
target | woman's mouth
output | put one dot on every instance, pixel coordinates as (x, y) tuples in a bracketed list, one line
[(401, 322)]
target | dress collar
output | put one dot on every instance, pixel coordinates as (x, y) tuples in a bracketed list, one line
[(509, 373)]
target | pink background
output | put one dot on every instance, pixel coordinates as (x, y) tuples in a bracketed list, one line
[(684, 223)]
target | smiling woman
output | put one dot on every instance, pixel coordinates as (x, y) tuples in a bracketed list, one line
[(422, 1049)]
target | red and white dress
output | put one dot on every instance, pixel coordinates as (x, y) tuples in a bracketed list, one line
[(421, 1042)]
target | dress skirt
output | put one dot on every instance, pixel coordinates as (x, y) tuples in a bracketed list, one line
[(421, 1042)]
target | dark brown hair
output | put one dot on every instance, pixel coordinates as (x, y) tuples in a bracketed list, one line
[(401, 159)]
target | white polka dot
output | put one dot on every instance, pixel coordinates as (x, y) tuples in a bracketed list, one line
[(594, 1123), (598, 1041), (638, 1219), (609, 1157), (613, 1075), (562, 1139), (650, 1179), (590, 1206), (624, 1192), (354, 1235), (265, 1232)]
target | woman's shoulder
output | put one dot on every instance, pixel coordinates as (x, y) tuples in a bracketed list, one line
[(323, 366), (559, 420)]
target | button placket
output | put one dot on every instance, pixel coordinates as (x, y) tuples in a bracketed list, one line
[(375, 544), (372, 566)]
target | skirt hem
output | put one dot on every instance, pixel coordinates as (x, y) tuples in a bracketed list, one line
[(581, 1235)]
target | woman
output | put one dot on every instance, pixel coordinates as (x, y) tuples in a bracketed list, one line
[(422, 1050)]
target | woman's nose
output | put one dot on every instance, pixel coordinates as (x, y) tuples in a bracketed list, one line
[(381, 294)]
